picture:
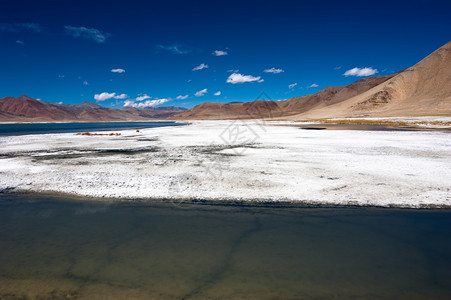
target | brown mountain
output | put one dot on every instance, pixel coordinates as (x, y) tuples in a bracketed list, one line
[(277, 109), (424, 89), (153, 113), (331, 95), (237, 110), (27, 109)]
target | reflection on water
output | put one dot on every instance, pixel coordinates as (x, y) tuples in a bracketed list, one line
[(67, 250)]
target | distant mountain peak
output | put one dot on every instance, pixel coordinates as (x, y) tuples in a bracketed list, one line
[(87, 104), (26, 109), (25, 97)]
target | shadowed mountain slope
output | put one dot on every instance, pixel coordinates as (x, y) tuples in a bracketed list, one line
[(422, 90), (27, 109)]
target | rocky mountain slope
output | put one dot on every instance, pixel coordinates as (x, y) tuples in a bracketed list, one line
[(422, 90), (27, 109)]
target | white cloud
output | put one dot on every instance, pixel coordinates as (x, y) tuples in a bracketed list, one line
[(200, 67), (200, 93), (20, 42), (85, 83), (220, 53), (261, 80), (175, 49), (233, 71), (121, 96), (291, 86), (274, 71), (87, 33), (314, 85), (118, 71), (181, 97), (129, 103), (218, 93), (20, 27), (143, 97), (148, 103), (104, 96), (337, 68), (360, 72), (240, 78)]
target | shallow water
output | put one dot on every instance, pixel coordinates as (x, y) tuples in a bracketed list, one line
[(54, 248), (8, 129), (373, 127)]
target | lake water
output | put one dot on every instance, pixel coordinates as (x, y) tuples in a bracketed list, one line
[(54, 248), (8, 129)]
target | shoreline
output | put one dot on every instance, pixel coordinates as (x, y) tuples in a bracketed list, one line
[(205, 162), (179, 203), (364, 127), (440, 121), (24, 129), (81, 122)]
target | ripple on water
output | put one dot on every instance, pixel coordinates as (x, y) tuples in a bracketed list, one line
[(78, 250)]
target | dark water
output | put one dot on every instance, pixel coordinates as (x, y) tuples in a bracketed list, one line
[(370, 127), (39, 128), (67, 250)]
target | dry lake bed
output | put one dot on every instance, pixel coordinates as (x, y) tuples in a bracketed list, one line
[(236, 161)]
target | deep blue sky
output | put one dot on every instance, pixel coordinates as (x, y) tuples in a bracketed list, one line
[(64, 50)]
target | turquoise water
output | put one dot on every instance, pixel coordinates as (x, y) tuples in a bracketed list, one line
[(54, 248), (39, 128)]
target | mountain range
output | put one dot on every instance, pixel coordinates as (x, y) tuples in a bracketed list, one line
[(27, 109), (421, 90)]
